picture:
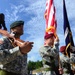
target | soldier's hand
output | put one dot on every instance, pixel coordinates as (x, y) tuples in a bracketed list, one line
[(26, 47), (57, 38), (60, 71)]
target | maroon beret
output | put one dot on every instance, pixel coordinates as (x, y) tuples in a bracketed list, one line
[(49, 35), (62, 48)]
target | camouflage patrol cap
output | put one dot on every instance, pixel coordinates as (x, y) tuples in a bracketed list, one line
[(16, 23), (62, 48)]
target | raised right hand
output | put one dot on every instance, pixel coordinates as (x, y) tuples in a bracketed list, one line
[(57, 38)]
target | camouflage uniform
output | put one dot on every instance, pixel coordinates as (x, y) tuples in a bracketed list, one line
[(49, 57), (11, 60), (66, 63), (73, 56)]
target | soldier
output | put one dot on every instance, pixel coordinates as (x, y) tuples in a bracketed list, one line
[(73, 56), (49, 53), (66, 62), (13, 51), (2, 22)]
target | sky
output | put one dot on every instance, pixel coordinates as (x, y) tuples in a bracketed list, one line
[(32, 13)]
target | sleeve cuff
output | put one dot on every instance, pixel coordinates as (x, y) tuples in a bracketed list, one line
[(56, 43)]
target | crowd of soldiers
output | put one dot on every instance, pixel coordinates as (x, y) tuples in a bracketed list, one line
[(55, 63)]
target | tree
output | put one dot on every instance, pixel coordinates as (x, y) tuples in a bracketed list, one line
[(34, 65)]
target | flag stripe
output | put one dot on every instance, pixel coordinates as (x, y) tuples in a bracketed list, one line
[(49, 6), (50, 15)]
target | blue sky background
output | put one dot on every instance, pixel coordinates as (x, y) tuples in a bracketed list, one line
[(32, 12)]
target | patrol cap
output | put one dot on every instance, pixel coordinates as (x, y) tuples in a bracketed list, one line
[(49, 35), (62, 48), (16, 23)]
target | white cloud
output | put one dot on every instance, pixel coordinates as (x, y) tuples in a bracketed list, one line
[(36, 28)]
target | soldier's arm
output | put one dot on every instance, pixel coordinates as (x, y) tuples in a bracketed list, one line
[(61, 65), (6, 33), (7, 55), (43, 51), (48, 51), (55, 50), (67, 59), (72, 58)]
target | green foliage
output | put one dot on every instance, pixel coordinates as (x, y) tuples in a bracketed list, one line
[(34, 65), (38, 64)]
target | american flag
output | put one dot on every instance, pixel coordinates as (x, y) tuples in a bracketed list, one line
[(50, 17)]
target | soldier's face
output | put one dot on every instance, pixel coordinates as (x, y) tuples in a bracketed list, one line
[(50, 41), (18, 29)]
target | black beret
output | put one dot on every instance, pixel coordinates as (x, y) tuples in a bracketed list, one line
[(16, 23)]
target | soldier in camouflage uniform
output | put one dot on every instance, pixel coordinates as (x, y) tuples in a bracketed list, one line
[(49, 53), (13, 60), (66, 62)]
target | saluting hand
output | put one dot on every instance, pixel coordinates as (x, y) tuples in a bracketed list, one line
[(57, 38)]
